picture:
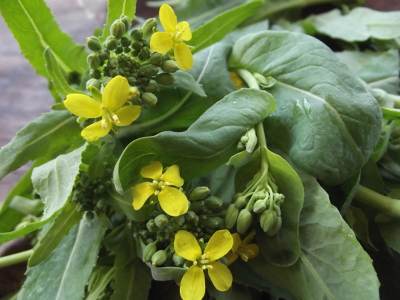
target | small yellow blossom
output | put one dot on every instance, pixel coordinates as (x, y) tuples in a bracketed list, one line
[(164, 185), (174, 37), (193, 281), (111, 108), (243, 248)]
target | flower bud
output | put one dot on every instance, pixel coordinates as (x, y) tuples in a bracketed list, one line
[(169, 66), (240, 202), (93, 43), (93, 82), (134, 92), (159, 258), (137, 34), (252, 140), (111, 42), (151, 226), (155, 59), (93, 61), (149, 251), (152, 88), (144, 53), (213, 202), (197, 205), (149, 99), (104, 54), (275, 227), (165, 78), (117, 29), (244, 221), (112, 62), (231, 216), (148, 26), (161, 220), (268, 219), (89, 215), (190, 216), (259, 206), (127, 22), (199, 193), (126, 42), (137, 45), (178, 260), (212, 222), (95, 74), (149, 70)]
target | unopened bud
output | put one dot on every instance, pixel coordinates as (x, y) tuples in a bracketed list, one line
[(275, 227), (149, 70), (259, 206), (190, 216), (149, 251), (149, 99), (199, 193), (94, 73), (155, 59), (165, 78), (93, 61), (161, 220), (252, 140), (117, 29), (231, 216), (148, 26), (111, 42), (144, 53), (159, 258), (244, 221), (104, 54), (268, 219), (89, 215), (197, 205), (126, 42), (134, 92), (93, 43), (112, 62), (137, 45), (127, 22), (212, 222), (137, 34), (169, 66), (152, 88), (240, 202), (93, 82), (213, 202), (178, 260), (151, 226)]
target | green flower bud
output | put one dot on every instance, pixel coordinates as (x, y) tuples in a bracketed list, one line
[(152, 88), (104, 54), (268, 219), (119, 50), (197, 205), (127, 22), (89, 215), (155, 59), (244, 221), (212, 222), (179, 220), (199, 193), (231, 216), (95, 73), (93, 61), (118, 29), (151, 226), (137, 34), (244, 139), (240, 202), (279, 198), (275, 227), (178, 260), (259, 206), (111, 42), (159, 258), (137, 45), (252, 140), (149, 70), (190, 216), (161, 220), (165, 78), (114, 73), (144, 53), (93, 43), (112, 62), (213, 202), (126, 41), (148, 26), (169, 66), (93, 82), (149, 99), (149, 251)]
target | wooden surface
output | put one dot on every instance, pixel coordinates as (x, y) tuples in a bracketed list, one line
[(24, 95)]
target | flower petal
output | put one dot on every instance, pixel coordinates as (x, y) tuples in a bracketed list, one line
[(251, 251), (186, 32), (141, 192), (186, 245), (183, 56), (172, 176), (161, 42), (95, 131), (231, 257), (128, 114), (173, 201), (220, 276), (219, 244), (168, 18), (116, 93), (83, 106), (153, 170), (193, 285), (249, 237), (236, 242)]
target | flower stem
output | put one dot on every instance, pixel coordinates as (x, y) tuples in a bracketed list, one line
[(16, 258)]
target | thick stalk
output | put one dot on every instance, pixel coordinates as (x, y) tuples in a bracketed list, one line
[(16, 258)]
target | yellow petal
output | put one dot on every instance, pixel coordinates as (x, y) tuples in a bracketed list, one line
[(83, 106), (249, 238), (161, 42), (128, 114), (183, 56), (220, 276), (116, 93), (141, 192), (172, 176), (236, 242), (186, 32), (153, 170), (231, 257), (95, 131), (173, 201), (250, 251), (193, 285), (186, 245), (168, 18), (219, 244)]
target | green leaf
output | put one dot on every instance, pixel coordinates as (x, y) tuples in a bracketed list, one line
[(65, 273), (116, 8), (391, 234), (332, 265), (35, 29), (49, 134), (316, 94), (208, 143), (185, 81), (56, 75), (391, 113), (214, 30)]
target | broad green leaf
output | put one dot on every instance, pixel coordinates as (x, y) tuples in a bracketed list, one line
[(332, 265), (56, 75), (61, 225), (132, 276), (26, 206), (214, 30), (186, 81), (49, 134), (391, 234), (35, 29), (116, 8), (208, 143), (325, 119), (66, 271)]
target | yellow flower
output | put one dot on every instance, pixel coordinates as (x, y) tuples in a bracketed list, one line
[(193, 281), (111, 108), (243, 248), (174, 36), (171, 199)]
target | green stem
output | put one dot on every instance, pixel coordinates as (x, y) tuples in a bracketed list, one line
[(16, 258), (385, 204)]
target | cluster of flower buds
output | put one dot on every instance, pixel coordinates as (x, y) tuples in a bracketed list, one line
[(129, 55), (158, 232), (248, 141)]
